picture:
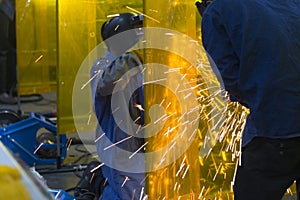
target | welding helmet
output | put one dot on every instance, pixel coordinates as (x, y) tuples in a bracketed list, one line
[(121, 32)]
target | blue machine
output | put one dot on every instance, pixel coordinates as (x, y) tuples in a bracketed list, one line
[(24, 138)]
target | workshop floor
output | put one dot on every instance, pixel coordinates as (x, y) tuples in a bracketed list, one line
[(67, 175)]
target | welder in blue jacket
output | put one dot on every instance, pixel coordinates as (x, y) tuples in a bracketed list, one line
[(119, 66), (255, 45)]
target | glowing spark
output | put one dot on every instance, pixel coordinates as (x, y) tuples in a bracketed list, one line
[(183, 132), (117, 81), (217, 171), (185, 122), (38, 148), (137, 119), (139, 107), (168, 116), (117, 142), (89, 119), (145, 197), (173, 70), (39, 58), (92, 178), (138, 150), (172, 146), (105, 182), (118, 108), (95, 168), (193, 110), (99, 137), (185, 172), (159, 119), (113, 15), (120, 122), (177, 88), (162, 102), (181, 166), (126, 178), (162, 159), (134, 10), (183, 77), (172, 129), (139, 128), (155, 81), (168, 105), (193, 134), (92, 78), (180, 118), (116, 28), (175, 186), (141, 195), (189, 89), (69, 143), (188, 95), (169, 34), (201, 192), (133, 192)]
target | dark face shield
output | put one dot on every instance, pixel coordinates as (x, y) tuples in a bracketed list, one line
[(122, 32)]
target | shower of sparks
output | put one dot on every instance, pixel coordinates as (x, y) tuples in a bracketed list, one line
[(138, 150), (95, 168), (99, 137), (147, 16), (38, 148), (114, 144)]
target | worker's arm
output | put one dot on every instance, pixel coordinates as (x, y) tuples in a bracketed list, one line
[(220, 50)]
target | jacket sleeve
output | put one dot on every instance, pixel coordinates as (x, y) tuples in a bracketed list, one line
[(220, 52), (112, 74)]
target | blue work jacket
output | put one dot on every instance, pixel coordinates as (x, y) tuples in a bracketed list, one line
[(255, 45), (106, 73)]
